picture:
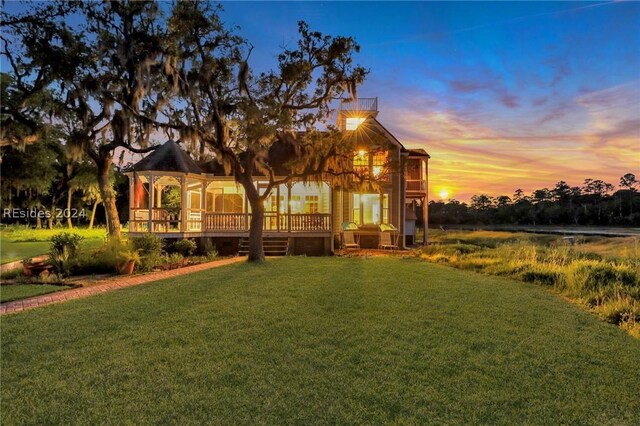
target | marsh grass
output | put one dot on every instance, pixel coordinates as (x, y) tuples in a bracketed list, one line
[(600, 273)]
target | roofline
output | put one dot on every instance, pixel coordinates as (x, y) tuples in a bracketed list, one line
[(388, 133)]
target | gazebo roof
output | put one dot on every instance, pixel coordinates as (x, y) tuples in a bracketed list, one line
[(167, 158)]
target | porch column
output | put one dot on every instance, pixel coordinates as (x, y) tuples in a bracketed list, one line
[(425, 204), (131, 198), (152, 193), (183, 204), (203, 201), (278, 208), (289, 206), (382, 207), (246, 211)]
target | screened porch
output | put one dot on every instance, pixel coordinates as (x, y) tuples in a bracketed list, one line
[(174, 203)]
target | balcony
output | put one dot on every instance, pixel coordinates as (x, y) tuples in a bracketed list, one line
[(359, 104), (416, 185)]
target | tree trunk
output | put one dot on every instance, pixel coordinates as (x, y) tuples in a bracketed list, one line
[(68, 212), (93, 213), (256, 250), (108, 196)]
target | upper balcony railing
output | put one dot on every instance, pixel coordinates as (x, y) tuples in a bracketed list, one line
[(359, 104)]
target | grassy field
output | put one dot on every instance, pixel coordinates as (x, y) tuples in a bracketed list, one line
[(17, 243), (21, 291), (317, 341), (599, 272)]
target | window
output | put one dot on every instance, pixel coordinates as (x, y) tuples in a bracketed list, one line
[(194, 198), (220, 202), (352, 123), (379, 166), (361, 162), (367, 209), (311, 204), (356, 209)]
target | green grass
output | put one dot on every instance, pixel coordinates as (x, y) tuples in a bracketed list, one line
[(18, 242), (22, 291), (601, 273), (319, 341)]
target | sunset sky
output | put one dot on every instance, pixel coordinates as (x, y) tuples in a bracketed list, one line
[(502, 95)]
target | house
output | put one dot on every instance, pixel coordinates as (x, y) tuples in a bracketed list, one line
[(174, 197)]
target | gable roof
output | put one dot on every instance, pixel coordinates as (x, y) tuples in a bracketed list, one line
[(167, 158), (385, 132), (418, 152)]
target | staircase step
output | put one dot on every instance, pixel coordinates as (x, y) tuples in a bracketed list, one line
[(272, 246)]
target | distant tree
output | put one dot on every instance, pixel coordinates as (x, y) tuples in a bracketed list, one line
[(28, 174), (503, 200), (630, 183), (518, 195), (597, 189)]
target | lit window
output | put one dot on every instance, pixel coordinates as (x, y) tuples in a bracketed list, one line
[(354, 122), (311, 203), (379, 164)]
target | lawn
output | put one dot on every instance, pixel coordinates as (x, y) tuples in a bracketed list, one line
[(22, 291), (19, 242), (320, 340)]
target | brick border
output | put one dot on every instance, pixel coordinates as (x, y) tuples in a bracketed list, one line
[(109, 284)]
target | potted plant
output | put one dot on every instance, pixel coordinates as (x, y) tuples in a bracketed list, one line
[(126, 261), (176, 260)]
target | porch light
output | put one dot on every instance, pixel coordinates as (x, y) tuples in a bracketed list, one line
[(362, 153), (377, 170)]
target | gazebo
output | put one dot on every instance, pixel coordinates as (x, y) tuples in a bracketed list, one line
[(166, 192)]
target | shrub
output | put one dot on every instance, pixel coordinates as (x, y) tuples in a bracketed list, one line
[(149, 248), (176, 258), (590, 275), (63, 249), (620, 310), (208, 249), (11, 274), (543, 274), (93, 262), (148, 244), (66, 240), (185, 247)]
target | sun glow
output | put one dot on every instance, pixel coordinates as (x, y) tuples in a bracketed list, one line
[(444, 194)]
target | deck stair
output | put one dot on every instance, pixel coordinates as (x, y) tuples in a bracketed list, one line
[(273, 246)]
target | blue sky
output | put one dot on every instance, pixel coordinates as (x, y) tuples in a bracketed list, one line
[(502, 95)]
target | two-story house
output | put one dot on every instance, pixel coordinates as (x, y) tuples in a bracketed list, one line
[(174, 197)]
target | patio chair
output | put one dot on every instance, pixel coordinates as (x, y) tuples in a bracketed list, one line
[(349, 240), (387, 241)]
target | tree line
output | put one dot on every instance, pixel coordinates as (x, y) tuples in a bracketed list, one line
[(596, 202)]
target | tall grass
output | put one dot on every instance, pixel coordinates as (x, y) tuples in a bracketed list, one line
[(605, 279)]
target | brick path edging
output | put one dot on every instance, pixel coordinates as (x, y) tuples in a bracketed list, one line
[(109, 284)]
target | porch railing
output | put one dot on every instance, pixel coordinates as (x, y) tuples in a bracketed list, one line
[(273, 222), (225, 222), (239, 222), (416, 185)]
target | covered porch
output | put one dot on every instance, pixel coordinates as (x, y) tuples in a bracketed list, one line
[(170, 195)]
